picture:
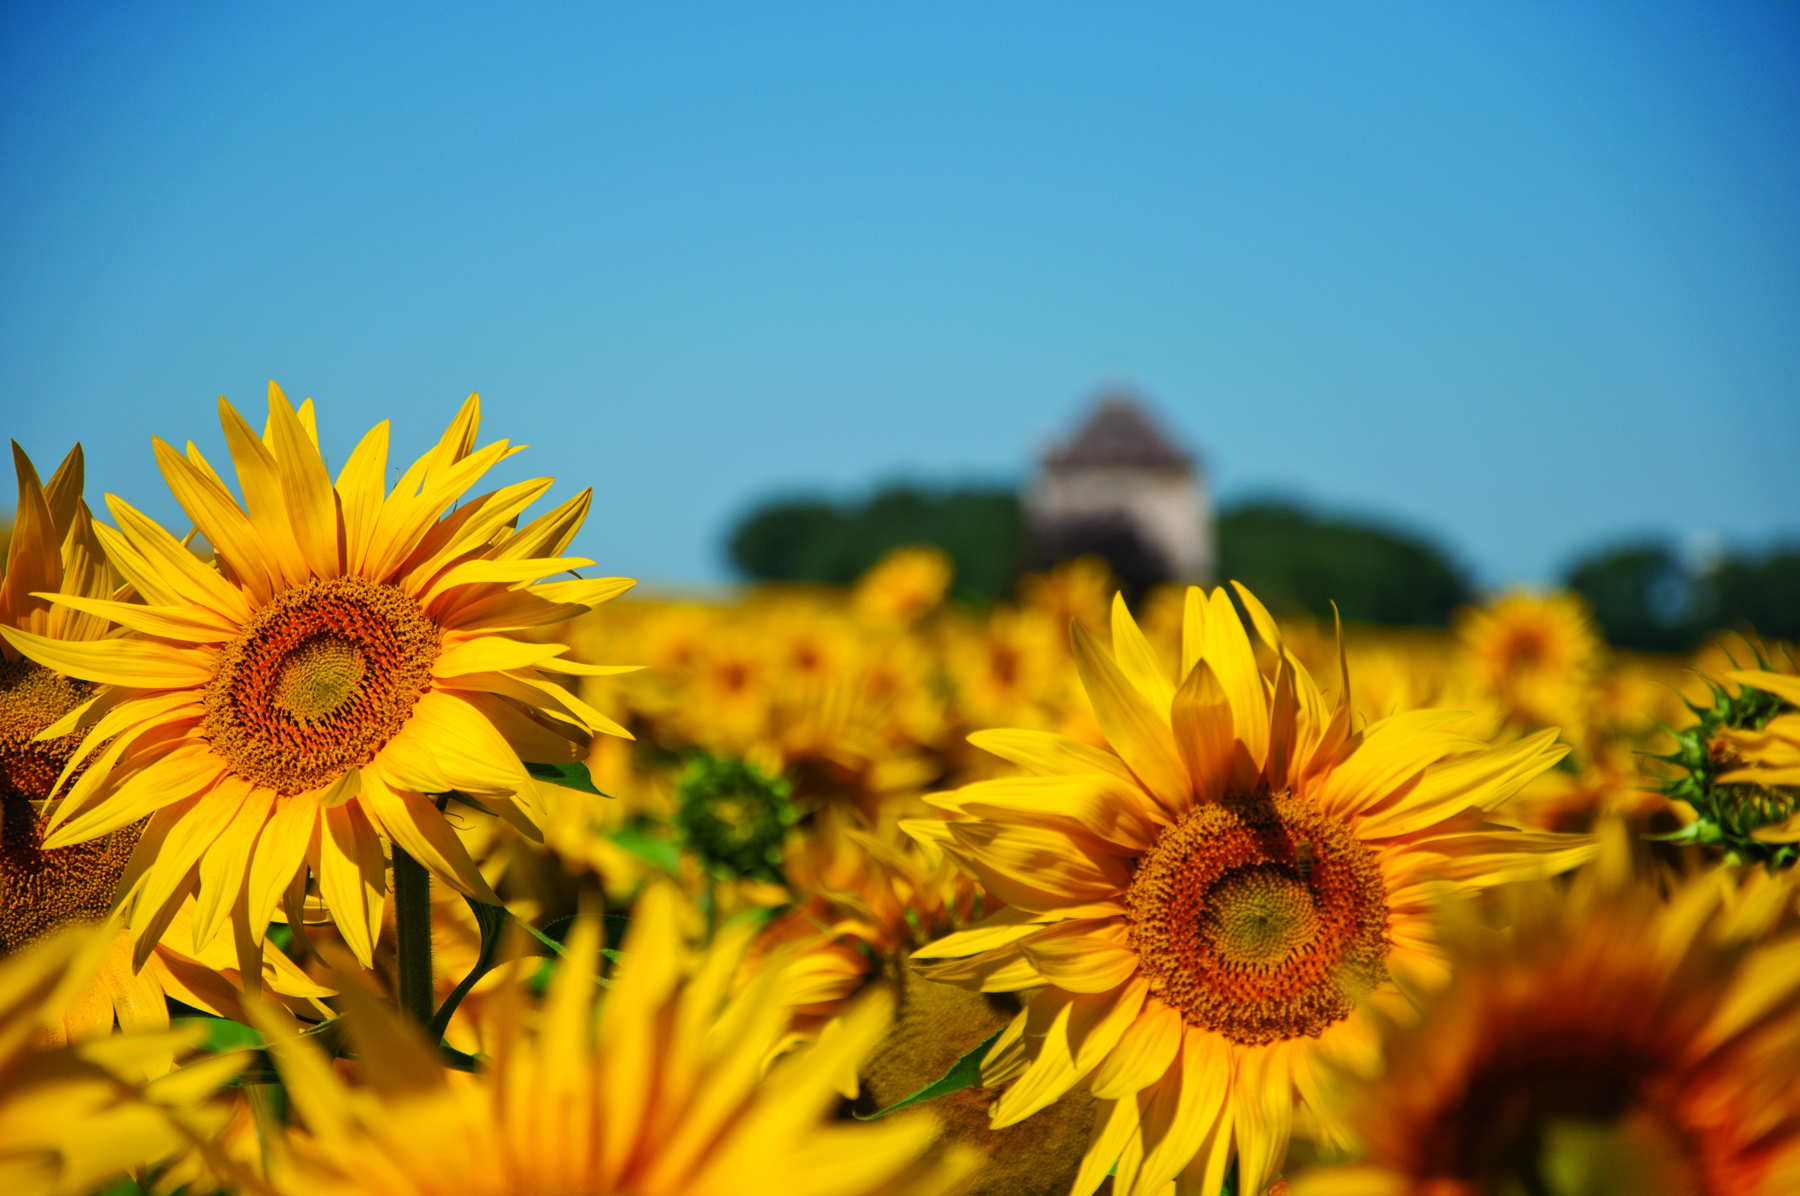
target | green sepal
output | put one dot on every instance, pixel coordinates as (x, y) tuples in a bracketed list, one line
[(964, 1073)]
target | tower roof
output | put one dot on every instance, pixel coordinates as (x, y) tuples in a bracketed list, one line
[(1119, 433)]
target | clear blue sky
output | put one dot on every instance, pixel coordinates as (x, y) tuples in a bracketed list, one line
[(1526, 276)]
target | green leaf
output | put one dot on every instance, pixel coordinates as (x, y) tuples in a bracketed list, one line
[(571, 774), (965, 1073), (223, 1034)]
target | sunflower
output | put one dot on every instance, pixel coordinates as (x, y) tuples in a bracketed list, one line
[(661, 1092), (74, 1118), (1534, 652), (1611, 1041), (350, 652), (1197, 910), (904, 586)]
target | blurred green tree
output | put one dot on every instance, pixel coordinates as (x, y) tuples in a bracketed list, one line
[(806, 539), (1644, 598), (1295, 561)]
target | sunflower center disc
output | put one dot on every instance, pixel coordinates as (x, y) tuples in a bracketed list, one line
[(45, 889), (318, 676), (1259, 916), (1259, 919), (318, 682)]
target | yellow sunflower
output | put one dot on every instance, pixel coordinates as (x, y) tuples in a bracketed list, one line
[(1196, 911), (1534, 652), (1612, 1041), (350, 652), (660, 1092)]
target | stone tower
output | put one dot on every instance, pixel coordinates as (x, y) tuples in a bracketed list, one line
[(1118, 488)]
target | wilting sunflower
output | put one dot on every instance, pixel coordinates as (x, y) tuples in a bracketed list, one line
[(661, 1092), (1197, 911), (349, 652), (1611, 1041), (74, 1118)]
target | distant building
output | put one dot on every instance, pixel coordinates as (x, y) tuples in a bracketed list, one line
[(1119, 489)]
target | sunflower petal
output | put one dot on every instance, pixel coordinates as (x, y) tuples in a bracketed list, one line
[(1201, 721), (1049, 754), (142, 664), (1137, 659), (1136, 730), (305, 487), (259, 477)]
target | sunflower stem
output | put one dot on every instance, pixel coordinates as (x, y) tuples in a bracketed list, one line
[(412, 930)]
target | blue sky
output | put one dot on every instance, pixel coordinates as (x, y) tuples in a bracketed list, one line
[(1525, 276)]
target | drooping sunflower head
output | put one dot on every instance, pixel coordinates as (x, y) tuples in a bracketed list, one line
[(1738, 767), (1209, 907), (286, 712), (1610, 1041)]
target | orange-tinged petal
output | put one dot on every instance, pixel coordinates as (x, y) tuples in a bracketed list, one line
[(33, 556), (176, 566)]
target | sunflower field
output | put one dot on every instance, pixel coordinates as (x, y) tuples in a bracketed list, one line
[(356, 838)]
